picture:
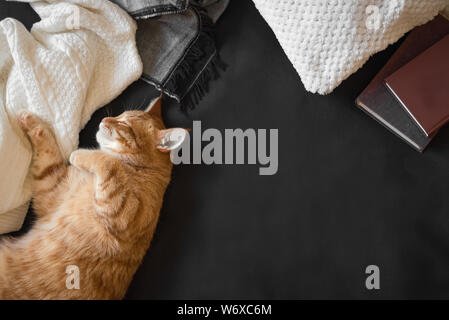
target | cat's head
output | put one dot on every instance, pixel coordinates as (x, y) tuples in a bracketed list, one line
[(139, 137)]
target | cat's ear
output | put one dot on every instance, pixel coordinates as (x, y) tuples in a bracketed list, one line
[(170, 139), (155, 107)]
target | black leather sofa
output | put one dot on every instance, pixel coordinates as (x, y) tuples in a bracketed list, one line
[(348, 193)]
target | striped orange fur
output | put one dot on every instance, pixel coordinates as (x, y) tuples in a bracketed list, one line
[(98, 212)]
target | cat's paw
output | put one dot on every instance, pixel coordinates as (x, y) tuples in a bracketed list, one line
[(32, 125), (73, 157), (28, 121), (76, 157)]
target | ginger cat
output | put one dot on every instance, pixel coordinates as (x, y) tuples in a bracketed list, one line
[(97, 213)]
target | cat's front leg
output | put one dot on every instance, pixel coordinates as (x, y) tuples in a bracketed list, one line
[(84, 159), (111, 188), (48, 167), (95, 162)]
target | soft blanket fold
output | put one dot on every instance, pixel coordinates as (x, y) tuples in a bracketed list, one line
[(328, 40), (80, 56)]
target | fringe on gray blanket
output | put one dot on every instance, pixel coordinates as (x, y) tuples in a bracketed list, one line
[(176, 41)]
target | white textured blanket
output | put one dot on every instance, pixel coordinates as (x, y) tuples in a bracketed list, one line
[(328, 40), (80, 56)]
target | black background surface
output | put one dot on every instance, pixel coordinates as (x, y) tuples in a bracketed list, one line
[(348, 193)]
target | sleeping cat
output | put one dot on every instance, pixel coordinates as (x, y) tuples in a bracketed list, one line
[(96, 214)]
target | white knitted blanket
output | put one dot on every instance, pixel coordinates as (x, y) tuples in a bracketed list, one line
[(328, 40), (80, 56)]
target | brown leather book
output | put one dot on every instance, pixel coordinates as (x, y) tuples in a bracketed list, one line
[(380, 104), (422, 87)]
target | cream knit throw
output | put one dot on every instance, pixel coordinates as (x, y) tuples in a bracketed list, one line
[(328, 40), (79, 57)]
